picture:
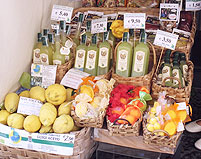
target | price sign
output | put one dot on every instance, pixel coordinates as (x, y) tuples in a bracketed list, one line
[(61, 13), (166, 39), (99, 25), (134, 20), (193, 5)]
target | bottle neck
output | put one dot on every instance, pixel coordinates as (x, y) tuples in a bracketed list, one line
[(44, 42)]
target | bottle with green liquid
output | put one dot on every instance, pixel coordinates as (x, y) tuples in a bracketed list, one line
[(141, 58), (58, 58), (111, 40), (81, 52), (88, 33), (167, 71), (45, 52), (131, 39), (76, 39), (124, 57), (104, 55), (51, 41), (183, 66), (36, 50), (92, 57)]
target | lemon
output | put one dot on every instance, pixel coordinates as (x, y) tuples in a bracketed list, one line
[(64, 108), (48, 114), (15, 121), (69, 94), (88, 90), (81, 109), (11, 102), (157, 126), (32, 123), (63, 124), (24, 94), (152, 121), (3, 116), (45, 129), (38, 93), (55, 94), (150, 127)]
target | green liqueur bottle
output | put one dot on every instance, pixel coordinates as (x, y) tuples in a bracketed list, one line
[(104, 55), (124, 57), (88, 32), (111, 40), (167, 71), (81, 52), (131, 39), (92, 57), (141, 58), (183, 66), (46, 52), (36, 50), (76, 39)]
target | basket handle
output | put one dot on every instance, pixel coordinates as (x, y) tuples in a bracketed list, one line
[(173, 78), (160, 130), (123, 120)]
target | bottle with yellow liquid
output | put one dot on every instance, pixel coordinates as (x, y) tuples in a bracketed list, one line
[(36, 50), (51, 41), (45, 52), (76, 39), (62, 26)]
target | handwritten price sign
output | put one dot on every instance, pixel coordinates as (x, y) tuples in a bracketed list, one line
[(193, 5), (134, 20), (61, 13), (99, 25), (166, 39)]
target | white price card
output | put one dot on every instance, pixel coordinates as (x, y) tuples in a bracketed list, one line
[(134, 20), (99, 25), (193, 5), (61, 13), (55, 26), (181, 106), (29, 106), (166, 39)]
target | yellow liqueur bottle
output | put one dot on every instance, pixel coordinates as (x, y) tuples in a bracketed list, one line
[(76, 39), (36, 50)]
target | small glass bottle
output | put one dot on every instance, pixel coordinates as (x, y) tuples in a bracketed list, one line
[(167, 72), (51, 41), (36, 50), (76, 38)]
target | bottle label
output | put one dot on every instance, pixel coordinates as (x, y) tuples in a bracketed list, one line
[(175, 73), (56, 62), (79, 60), (166, 73), (123, 60), (36, 56), (139, 61), (65, 51), (185, 71), (44, 59), (103, 57), (91, 59)]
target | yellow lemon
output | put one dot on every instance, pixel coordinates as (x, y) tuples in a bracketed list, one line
[(88, 90), (64, 108), (32, 123), (45, 129), (4, 116), (157, 126), (150, 127), (38, 93), (15, 121), (11, 102), (24, 94), (152, 121)]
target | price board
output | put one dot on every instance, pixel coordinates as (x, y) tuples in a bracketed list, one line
[(134, 20), (61, 13), (166, 39), (99, 25), (193, 5)]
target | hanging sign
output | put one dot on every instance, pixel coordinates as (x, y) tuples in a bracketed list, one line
[(99, 25), (134, 20)]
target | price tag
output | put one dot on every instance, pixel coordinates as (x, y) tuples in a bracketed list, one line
[(99, 25), (193, 5), (165, 39), (180, 127), (61, 13), (134, 20), (181, 106), (55, 26)]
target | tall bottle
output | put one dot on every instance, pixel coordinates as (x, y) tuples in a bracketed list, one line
[(45, 53), (131, 39), (111, 40), (141, 58), (92, 57), (76, 39), (36, 50), (81, 52), (104, 55), (88, 33), (51, 41), (183, 66), (167, 72), (45, 32), (62, 26), (124, 57), (58, 58)]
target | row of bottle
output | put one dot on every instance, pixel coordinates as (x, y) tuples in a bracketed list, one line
[(93, 59), (53, 48), (177, 68), (132, 57)]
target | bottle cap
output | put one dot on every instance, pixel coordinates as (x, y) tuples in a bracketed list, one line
[(94, 39), (125, 36), (62, 25), (44, 41), (39, 36), (88, 25), (109, 25), (50, 37), (176, 56), (142, 36), (83, 38), (45, 32), (57, 31), (81, 17), (68, 29), (105, 35), (167, 53), (131, 32)]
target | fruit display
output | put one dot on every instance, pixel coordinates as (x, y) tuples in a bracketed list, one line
[(117, 28)]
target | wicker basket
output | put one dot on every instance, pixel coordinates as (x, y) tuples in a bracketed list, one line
[(137, 81), (62, 69), (180, 94), (160, 141), (84, 147), (124, 129)]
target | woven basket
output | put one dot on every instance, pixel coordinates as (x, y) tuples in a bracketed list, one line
[(62, 69), (84, 147), (180, 94), (137, 81), (124, 129), (160, 141)]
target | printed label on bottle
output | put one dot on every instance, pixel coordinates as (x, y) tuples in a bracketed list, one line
[(185, 72), (139, 61), (44, 59), (79, 60), (175, 73), (103, 57), (122, 60), (91, 59), (56, 62), (166, 73), (36, 56), (65, 50)]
